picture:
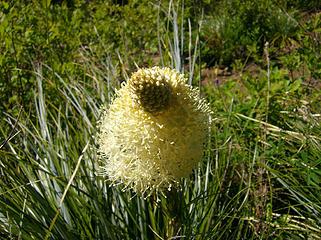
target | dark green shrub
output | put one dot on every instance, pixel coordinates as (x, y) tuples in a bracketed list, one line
[(53, 33), (237, 24)]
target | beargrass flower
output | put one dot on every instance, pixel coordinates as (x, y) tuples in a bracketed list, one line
[(154, 131)]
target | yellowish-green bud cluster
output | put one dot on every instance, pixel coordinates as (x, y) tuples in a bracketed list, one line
[(153, 133), (150, 89)]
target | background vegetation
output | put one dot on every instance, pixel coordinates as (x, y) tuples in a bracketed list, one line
[(62, 60)]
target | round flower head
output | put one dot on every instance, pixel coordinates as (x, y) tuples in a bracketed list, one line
[(153, 133)]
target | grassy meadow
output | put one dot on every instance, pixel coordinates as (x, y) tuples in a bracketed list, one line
[(257, 63)]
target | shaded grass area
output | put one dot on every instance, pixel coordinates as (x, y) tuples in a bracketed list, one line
[(260, 178)]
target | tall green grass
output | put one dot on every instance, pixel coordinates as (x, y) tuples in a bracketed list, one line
[(260, 178)]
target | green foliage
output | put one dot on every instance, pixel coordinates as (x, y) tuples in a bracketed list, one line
[(305, 4), (33, 32), (238, 24), (60, 63), (276, 136)]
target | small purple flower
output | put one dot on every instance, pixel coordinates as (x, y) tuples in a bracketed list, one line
[(216, 81)]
